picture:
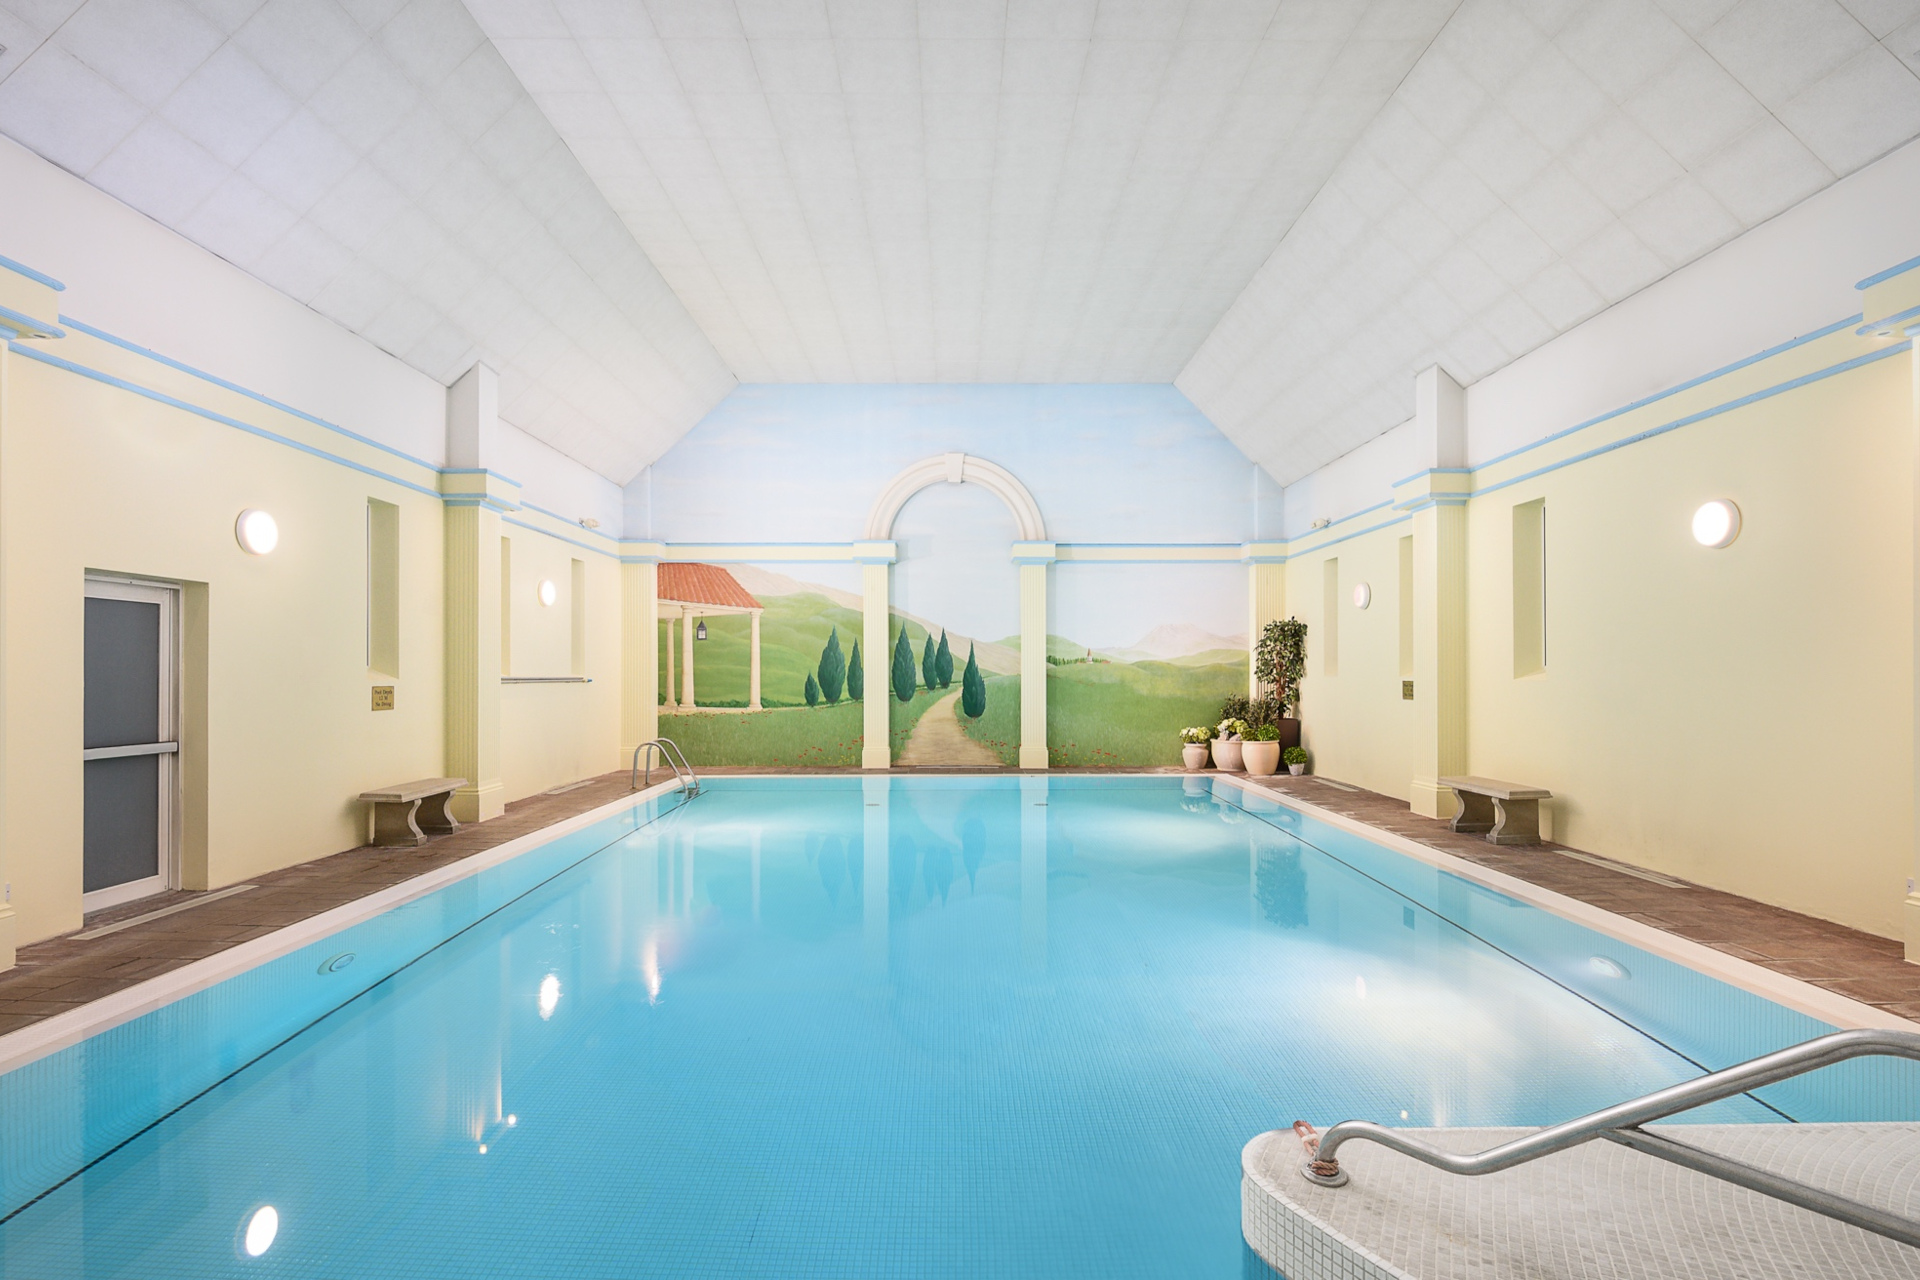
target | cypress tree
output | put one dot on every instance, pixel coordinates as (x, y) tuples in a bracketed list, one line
[(813, 690), (944, 658), (973, 688), (930, 664), (833, 669), (856, 675), (903, 680)]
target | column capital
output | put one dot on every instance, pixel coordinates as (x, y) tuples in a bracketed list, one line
[(29, 302), (634, 552), (1263, 552), (1435, 487), (479, 487), (1890, 299), (875, 552), (1035, 552)]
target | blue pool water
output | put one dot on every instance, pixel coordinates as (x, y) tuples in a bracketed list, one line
[(848, 1027)]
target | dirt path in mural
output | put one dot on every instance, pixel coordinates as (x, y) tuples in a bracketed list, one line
[(938, 739)]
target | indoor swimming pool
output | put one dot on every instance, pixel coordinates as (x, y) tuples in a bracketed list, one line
[(835, 1027)]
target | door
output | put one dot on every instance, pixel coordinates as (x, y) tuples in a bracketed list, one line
[(132, 746)]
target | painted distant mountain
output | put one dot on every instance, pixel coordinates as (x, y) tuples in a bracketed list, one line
[(764, 583), (1172, 641)]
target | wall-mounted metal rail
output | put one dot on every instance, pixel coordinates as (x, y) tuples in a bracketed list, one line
[(668, 749), (1622, 1123)]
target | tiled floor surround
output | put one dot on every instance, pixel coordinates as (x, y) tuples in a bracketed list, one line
[(61, 973), (1596, 1212)]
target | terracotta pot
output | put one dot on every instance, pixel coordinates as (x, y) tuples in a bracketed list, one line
[(1226, 755), (1296, 769), (1195, 756), (1262, 758)]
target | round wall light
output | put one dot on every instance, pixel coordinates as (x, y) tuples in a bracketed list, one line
[(262, 1227), (1362, 595), (257, 532), (1716, 523), (547, 592)]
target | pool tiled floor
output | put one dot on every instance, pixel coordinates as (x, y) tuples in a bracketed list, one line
[(59, 974)]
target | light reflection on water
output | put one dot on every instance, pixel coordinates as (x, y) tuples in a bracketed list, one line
[(1011, 1028)]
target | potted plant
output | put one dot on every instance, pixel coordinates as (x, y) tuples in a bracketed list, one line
[(1296, 758), (1261, 751), (1193, 751), (1226, 744), (1279, 661)]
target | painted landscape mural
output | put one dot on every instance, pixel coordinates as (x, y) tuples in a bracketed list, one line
[(1135, 651)]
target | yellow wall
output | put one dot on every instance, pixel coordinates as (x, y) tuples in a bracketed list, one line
[(97, 477), (1740, 718)]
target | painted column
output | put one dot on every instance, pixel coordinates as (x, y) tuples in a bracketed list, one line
[(753, 668), (686, 659), (639, 641), (1437, 500), (673, 702), (876, 655), (473, 604), (1266, 597), (1033, 559)]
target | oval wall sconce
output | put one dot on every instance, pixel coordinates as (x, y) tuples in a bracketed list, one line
[(1716, 523), (547, 592), (256, 531), (1362, 595)]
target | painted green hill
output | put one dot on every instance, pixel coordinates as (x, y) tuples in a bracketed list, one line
[(793, 631)]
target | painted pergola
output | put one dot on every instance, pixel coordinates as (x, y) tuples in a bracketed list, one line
[(689, 592)]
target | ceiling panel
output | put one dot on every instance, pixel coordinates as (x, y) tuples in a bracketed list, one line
[(378, 161)]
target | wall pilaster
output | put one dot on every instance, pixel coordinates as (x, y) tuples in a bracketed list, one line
[(639, 645), (876, 652), (1033, 559), (1266, 597)]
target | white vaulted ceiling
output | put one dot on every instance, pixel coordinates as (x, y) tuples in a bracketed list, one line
[(1286, 206), (960, 190), (376, 160)]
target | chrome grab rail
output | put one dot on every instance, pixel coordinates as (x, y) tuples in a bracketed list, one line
[(1620, 1123), (690, 782)]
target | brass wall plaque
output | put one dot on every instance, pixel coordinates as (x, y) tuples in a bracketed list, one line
[(383, 697), (1406, 690)]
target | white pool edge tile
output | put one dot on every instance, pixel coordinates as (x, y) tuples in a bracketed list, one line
[(1803, 997), (62, 1030)]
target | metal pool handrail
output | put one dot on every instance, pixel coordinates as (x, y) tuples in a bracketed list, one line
[(690, 782), (1620, 1123)]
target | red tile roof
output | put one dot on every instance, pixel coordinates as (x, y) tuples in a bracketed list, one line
[(703, 584)]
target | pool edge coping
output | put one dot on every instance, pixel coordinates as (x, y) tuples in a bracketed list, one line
[(1797, 994), (64, 1030)]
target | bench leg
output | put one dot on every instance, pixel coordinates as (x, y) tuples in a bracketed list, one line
[(1476, 813), (436, 816), (1519, 822), (393, 825)]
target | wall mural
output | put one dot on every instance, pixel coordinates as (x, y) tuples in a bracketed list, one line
[(1135, 651)]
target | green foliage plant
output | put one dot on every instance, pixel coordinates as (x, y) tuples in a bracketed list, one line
[(856, 674), (1197, 735), (1268, 732), (1280, 659), (833, 670), (973, 689), (930, 664), (903, 673), (1294, 755), (943, 661), (1236, 707), (813, 690)]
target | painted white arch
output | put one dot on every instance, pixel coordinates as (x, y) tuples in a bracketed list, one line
[(955, 468)]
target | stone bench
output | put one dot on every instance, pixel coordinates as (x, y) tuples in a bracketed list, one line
[(403, 815), (1506, 811)]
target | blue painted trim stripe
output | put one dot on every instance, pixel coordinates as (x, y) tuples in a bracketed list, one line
[(1892, 271), (1791, 384), (38, 276), (28, 325), (1402, 518), (478, 471), (559, 537), (122, 343), (161, 398), (1887, 322), (1135, 546), (1657, 396), (557, 516), (1434, 471)]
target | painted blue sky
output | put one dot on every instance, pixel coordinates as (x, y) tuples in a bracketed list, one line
[(1106, 463)]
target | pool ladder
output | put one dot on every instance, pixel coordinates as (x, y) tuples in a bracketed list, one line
[(1621, 1124), (668, 749)]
